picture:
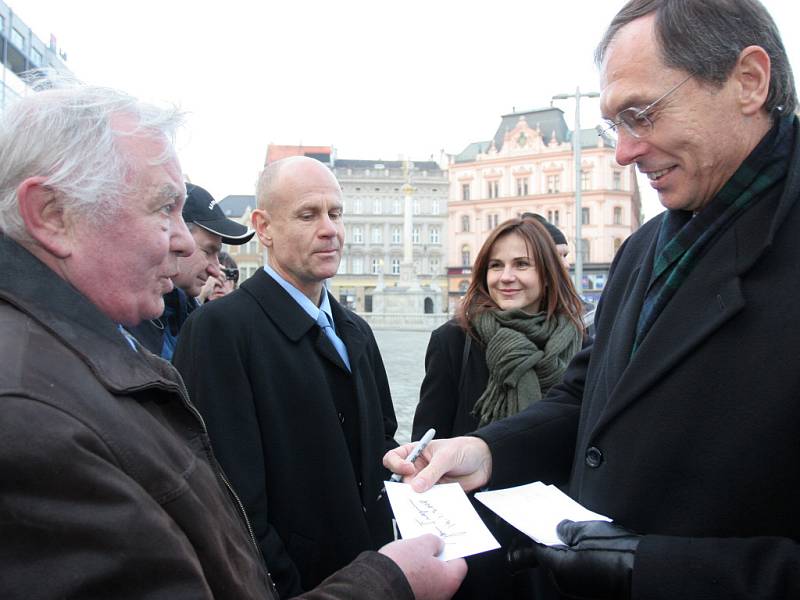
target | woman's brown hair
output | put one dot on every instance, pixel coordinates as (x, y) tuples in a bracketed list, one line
[(558, 294)]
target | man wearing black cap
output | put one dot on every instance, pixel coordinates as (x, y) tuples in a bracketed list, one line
[(210, 228), (559, 239)]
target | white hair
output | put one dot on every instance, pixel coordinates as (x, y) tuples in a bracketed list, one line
[(63, 131)]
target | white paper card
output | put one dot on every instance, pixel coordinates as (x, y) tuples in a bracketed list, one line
[(536, 509), (445, 511)]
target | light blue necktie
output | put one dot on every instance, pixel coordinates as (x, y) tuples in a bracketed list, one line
[(325, 324)]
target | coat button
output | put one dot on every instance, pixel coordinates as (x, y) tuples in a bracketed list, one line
[(341, 418), (594, 457)]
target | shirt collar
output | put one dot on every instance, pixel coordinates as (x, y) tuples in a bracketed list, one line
[(302, 300)]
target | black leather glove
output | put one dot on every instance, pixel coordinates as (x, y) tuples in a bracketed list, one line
[(596, 562), (521, 554)]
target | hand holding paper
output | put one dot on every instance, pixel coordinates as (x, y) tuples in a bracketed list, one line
[(445, 511), (536, 510)]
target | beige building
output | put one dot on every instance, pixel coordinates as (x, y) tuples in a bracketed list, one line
[(528, 166), (374, 206)]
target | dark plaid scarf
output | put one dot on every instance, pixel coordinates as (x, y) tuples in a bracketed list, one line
[(682, 238)]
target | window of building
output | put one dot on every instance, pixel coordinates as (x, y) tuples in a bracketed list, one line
[(584, 216), (465, 256), (377, 206), (417, 207), (553, 217), (522, 186), (586, 180), (36, 58), (415, 235), (433, 234), (617, 180), (358, 206), (358, 265), (433, 264), (17, 39), (2, 24), (250, 247), (492, 220), (376, 235), (553, 184), (465, 223), (357, 234), (397, 206), (493, 189), (376, 266), (465, 191), (463, 285), (395, 266), (617, 215), (587, 256), (396, 235), (617, 244), (435, 206)]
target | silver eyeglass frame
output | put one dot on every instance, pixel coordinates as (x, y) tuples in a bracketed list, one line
[(640, 115)]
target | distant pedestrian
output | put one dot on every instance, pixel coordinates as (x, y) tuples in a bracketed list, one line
[(210, 228)]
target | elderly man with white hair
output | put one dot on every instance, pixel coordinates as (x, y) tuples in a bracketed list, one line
[(109, 485)]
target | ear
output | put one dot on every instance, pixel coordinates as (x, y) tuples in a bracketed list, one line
[(43, 215), (260, 221), (752, 71)]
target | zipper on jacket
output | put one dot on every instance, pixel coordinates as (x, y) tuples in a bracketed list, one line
[(184, 395)]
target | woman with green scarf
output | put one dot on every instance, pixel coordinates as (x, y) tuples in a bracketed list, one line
[(517, 328)]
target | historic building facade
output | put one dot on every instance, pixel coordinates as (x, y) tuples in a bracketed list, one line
[(374, 201), (528, 166)]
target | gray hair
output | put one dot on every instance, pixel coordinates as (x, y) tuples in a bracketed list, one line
[(705, 38), (63, 130)]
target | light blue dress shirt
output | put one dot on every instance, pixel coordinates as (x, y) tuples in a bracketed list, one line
[(322, 314)]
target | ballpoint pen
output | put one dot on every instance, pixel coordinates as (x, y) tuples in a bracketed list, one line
[(417, 450)]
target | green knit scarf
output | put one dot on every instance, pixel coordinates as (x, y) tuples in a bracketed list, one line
[(526, 355)]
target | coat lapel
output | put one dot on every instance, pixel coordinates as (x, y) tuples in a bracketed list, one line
[(710, 297), (290, 318), (346, 329)]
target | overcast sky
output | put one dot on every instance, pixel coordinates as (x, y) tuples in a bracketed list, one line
[(374, 79)]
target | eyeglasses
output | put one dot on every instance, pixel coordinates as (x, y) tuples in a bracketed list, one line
[(635, 120), (231, 274)]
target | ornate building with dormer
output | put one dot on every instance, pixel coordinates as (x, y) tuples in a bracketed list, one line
[(528, 166)]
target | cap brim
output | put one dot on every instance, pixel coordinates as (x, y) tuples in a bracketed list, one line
[(232, 233)]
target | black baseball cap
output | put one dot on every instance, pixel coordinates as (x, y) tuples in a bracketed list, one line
[(555, 233), (202, 210)]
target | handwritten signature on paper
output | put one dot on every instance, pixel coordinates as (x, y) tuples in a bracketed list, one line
[(430, 517)]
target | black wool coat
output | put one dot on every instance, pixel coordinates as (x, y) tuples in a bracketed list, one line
[(447, 396), (695, 440), (300, 438)]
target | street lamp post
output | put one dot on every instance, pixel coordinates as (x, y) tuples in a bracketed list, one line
[(576, 147)]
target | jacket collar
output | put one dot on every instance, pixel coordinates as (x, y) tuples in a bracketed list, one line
[(77, 323), (294, 322), (709, 298)]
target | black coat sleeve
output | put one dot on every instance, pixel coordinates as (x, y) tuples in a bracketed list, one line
[(538, 444), (438, 394), (731, 568), (211, 356)]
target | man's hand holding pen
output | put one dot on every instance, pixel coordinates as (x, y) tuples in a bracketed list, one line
[(464, 460)]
